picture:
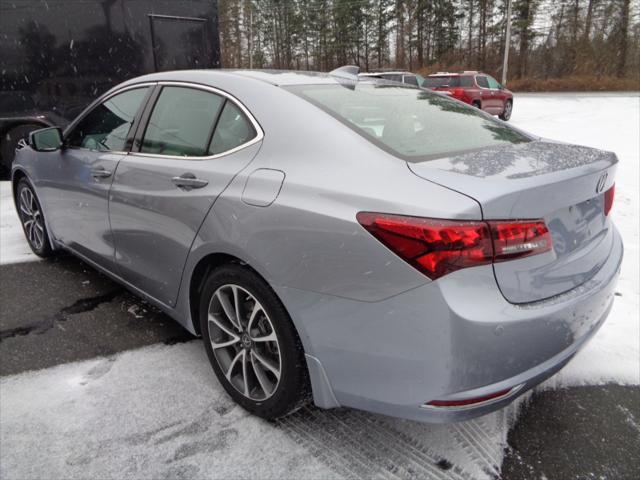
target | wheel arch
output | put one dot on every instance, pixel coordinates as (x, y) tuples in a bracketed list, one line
[(17, 175), (205, 265), (11, 124), (321, 389), (200, 272)]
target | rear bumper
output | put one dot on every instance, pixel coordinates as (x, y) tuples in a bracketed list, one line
[(455, 338)]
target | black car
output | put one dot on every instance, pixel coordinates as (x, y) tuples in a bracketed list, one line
[(55, 57)]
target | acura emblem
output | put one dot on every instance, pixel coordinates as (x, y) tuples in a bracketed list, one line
[(602, 181)]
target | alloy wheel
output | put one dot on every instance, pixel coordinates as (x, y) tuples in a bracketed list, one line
[(507, 110), (244, 342), (31, 218)]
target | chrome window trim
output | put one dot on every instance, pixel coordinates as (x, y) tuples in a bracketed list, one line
[(259, 132), (92, 107)]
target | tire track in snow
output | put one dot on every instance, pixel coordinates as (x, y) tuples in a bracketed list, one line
[(473, 438), (358, 445), (415, 449), (322, 447)]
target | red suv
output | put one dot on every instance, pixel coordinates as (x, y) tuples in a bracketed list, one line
[(474, 88)]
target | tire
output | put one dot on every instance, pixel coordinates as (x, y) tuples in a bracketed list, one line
[(245, 367), (477, 104), (508, 108), (10, 143), (32, 219)]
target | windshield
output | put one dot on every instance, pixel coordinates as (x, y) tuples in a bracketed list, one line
[(410, 123)]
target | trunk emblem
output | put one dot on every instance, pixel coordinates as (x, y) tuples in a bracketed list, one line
[(602, 182)]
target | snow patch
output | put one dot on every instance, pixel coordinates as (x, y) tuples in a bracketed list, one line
[(13, 245), (159, 412)]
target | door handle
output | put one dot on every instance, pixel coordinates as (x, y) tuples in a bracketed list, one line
[(100, 172), (188, 181)]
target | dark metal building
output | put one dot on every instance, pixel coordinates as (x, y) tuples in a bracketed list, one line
[(56, 56)]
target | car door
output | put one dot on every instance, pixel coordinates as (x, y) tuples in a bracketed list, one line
[(497, 94), (80, 178), (191, 142), (486, 94)]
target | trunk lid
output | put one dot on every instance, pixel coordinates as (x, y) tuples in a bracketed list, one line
[(562, 184)]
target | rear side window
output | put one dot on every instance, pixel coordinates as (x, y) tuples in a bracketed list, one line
[(233, 130), (105, 128), (393, 78), (182, 122), (412, 124), (411, 80), (466, 82), (482, 82), (447, 81)]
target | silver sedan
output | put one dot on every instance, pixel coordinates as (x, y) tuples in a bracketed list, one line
[(351, 241)]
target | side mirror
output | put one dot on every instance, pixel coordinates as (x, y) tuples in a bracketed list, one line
[(46, 139)]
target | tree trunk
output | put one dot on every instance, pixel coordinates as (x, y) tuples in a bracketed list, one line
[(624, 40)]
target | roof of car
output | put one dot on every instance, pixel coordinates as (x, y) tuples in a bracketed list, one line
[(454, 74), (286, 77), (393, 72), (213, 77)]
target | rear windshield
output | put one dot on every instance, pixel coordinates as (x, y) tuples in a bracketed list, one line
[(448, 81), (410, 123)]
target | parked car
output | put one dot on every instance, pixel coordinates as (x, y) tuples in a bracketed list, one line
[(347, 243), (400, 76), (52, 68), (475, 88)]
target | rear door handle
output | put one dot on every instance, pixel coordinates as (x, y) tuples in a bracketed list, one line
[(100, 172), (188, 181)]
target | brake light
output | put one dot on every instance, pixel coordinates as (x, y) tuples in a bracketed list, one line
[(438, 247), (435, 247), (608, 199), (519, 239)]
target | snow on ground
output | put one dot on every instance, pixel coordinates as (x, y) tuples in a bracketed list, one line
[(158, 412), (13, 246)]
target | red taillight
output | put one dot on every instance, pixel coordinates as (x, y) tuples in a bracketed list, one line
[(435, 247), (457, 93), (519, 239), (608, 199), (438, 247)]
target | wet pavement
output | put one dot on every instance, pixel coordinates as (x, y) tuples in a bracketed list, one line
[(62, 310)]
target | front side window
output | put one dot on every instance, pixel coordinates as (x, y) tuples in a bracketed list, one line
[(493, 83), (106, 127), (412, 124), (182, 122), (482, 82)]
